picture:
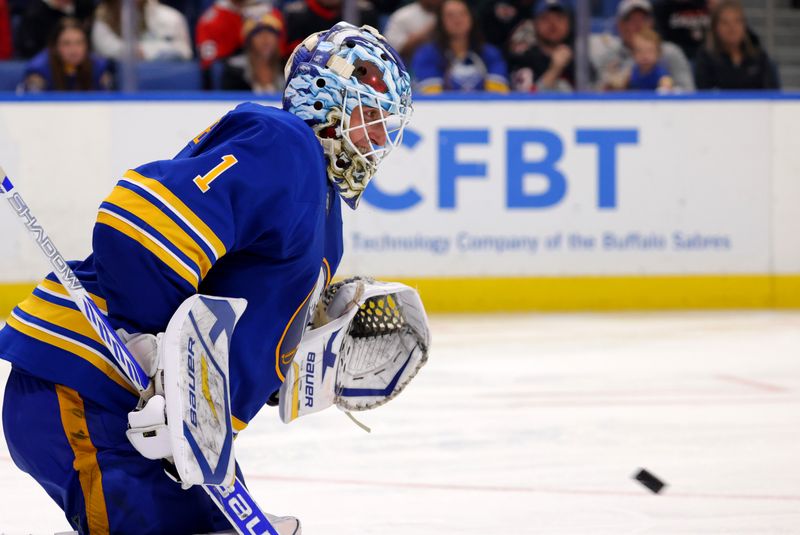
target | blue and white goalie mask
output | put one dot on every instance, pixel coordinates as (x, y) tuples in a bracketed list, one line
[(352, 88)]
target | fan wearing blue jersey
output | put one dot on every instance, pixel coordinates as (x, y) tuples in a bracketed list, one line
[(250, 209)]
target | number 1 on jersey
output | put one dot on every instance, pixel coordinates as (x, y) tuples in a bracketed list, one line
[(204, 182)]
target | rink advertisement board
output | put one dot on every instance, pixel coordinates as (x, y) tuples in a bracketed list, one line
[(493, 204)]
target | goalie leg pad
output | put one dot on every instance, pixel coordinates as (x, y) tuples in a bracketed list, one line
[(194, 353)]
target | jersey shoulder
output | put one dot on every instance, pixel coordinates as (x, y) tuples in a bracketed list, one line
[(286, 129), (275, 148), (256, 171)]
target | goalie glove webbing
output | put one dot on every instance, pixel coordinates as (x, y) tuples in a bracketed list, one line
[(373, 334), (384, 347)]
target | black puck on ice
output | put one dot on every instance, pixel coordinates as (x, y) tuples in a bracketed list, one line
[(649, 480)]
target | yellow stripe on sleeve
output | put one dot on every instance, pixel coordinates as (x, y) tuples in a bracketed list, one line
[(147, 211), (58, 315), (327, 271), (61, 342), (58, 288), (171, 200), (149, 243), (73, 418), (237, 424)]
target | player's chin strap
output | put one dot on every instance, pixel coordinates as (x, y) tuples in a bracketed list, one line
[(369, 339)]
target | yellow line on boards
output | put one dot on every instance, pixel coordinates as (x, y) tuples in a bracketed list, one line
[(561, 294), (12, 294)]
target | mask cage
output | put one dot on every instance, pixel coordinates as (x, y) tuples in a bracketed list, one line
[(391, 118)]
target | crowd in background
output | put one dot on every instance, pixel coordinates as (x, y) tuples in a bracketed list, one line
[(448, 45)]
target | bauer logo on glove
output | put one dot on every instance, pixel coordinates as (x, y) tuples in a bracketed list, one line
[(368, 340)]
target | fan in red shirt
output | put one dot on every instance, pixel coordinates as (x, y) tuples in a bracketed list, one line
[(5, 31), (219, 30), (311, 16)]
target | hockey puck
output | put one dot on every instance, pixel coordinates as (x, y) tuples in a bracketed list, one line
[(649, 480)]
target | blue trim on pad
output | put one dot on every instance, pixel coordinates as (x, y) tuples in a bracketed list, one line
[(366, 392), (217, 474)]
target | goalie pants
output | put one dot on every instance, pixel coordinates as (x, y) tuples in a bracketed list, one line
[(77, 450)]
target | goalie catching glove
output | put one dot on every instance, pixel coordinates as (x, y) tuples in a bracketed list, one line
[(368, 340)]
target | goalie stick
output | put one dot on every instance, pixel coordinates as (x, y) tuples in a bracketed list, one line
[(235, 501)]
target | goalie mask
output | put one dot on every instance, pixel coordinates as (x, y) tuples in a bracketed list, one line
[(352, 88)]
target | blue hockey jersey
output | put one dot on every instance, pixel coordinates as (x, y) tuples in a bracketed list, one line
[(244, 210)]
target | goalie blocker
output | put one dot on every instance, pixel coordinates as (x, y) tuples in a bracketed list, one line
[(368, 340)]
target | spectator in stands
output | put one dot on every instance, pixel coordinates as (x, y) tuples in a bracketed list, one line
[(499, 19), (66, 64), (39, 20), (612, 57), (546, 65), (6, 49), (411, 26), (219, 31), (686, 23), (384, 8), (648, 73), (258, 68), (751, 34), (683, 22), (458, 59), (162, 32), (730, 60), (304, 17)]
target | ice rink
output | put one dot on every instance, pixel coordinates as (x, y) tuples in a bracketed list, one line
[(535, 424)]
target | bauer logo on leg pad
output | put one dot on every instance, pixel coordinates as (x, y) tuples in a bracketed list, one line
[(195, 356)]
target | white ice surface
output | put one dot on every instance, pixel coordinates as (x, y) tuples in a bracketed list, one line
[(535, 424)]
